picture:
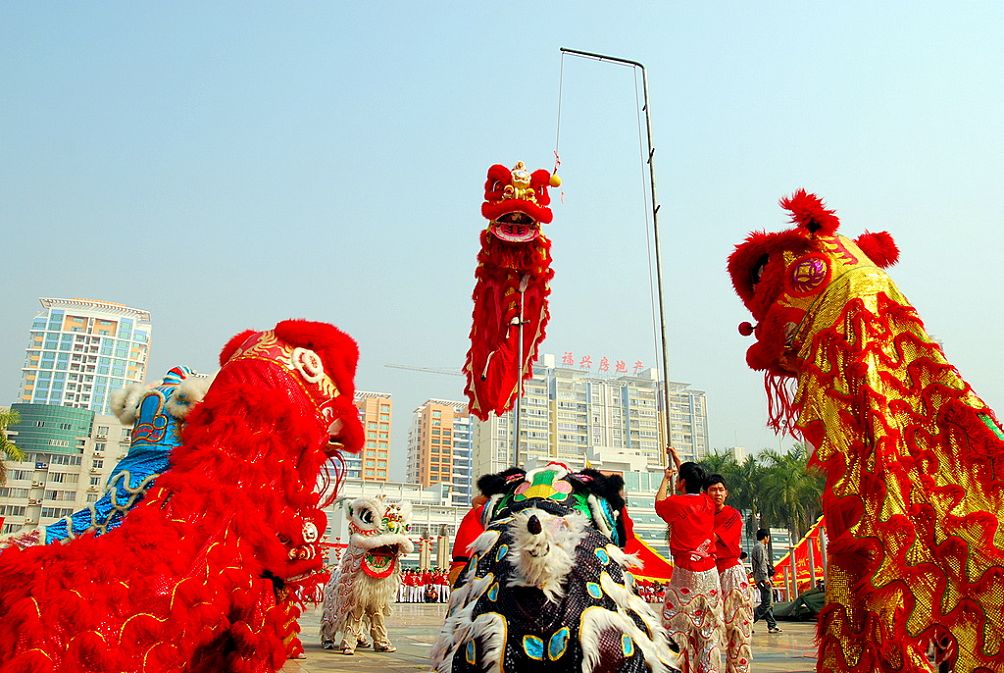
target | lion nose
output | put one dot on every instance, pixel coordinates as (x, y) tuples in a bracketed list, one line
[(533, 524)]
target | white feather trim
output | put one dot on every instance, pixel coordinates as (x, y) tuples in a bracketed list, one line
[(545, 559), (623, 558), (483, 543), (124, 403), (189, 393), (596, 619)]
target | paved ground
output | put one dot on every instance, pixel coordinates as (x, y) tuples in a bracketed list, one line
[(413, 628)]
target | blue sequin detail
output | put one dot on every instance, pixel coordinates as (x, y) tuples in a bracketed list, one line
[(493, 593), (558, 644), (503, 550), (534, 647), (470, 654), (602, 555), (627, 645), (594, 590)]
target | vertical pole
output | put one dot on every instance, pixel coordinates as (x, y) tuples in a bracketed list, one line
[(658, 262), (794, 574), (518, 322), (812, 561), (655, 228)]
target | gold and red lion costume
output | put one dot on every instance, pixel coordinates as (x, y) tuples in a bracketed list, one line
[(514, 254), (207, 574), (913, 459)]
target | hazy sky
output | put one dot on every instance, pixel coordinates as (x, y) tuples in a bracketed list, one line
[(230, 165)]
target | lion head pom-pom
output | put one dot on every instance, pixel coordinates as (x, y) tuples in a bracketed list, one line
[(808, 212), (879, 247)]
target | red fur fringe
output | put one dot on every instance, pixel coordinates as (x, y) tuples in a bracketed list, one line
[(186, 582), (808, 212)]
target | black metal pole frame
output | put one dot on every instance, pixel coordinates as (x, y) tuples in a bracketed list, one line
[(655, 226)]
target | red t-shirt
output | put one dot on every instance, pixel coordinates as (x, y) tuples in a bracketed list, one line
[(467, 532), (691, 519), (728, 532)]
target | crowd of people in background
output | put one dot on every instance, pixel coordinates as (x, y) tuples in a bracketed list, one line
[(652, 592), (424, 585)]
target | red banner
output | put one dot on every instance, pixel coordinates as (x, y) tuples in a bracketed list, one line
[(654, 566), (809, 547)]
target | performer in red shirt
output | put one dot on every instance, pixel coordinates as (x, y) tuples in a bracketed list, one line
[(737, 603), (467, 532), (692, 611)]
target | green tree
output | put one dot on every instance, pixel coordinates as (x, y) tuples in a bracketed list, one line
[(791, 492), (744, 482), (8, 450)]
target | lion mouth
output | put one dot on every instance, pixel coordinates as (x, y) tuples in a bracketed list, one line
[(387, 550), (515, 227)]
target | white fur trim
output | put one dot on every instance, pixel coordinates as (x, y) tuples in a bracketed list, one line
[(189, 393), (483, 543), (459, 622), (124, 403), (596, 619), (624, 559), (545, 559)]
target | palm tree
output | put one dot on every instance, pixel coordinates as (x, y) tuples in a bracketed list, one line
[(744, 482), (791, 492), (8, 417)]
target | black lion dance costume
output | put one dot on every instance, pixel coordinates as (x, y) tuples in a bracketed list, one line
[(547, 587)]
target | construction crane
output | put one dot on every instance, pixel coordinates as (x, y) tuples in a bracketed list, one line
[(447, 371)]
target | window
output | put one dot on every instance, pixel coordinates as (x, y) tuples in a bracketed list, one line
[(95, 481), (98, 463)]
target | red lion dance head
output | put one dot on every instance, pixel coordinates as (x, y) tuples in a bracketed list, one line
[(913, 459), (515, 258), (208, 572)]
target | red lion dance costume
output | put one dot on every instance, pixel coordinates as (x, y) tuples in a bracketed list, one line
[(208, 572), (913, 459), (514, 255)]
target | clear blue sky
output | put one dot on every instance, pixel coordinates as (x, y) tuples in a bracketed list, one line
[(230, 165)]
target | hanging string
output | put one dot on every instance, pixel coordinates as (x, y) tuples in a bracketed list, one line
[(648, 240), (557, 132)]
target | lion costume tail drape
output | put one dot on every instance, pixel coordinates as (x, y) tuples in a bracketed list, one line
[(913, 459), (515, 256)]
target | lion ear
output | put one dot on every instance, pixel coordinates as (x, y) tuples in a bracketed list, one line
[(233, 345), (879, 247), (810, 213)]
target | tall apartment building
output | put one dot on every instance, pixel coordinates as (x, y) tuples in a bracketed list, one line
[(375, 413), (70, 453), (567, 414), (79, 350), (440, 444), (689, 421)]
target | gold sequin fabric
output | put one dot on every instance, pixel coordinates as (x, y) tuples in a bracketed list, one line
[(914, 463)]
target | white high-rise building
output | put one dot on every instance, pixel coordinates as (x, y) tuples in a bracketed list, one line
[(568, 414), (80, 350)]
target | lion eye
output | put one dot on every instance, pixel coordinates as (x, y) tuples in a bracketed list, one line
[(758, 269), (366, 516)]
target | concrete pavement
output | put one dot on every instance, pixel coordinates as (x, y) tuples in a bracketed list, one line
[(414, 626)]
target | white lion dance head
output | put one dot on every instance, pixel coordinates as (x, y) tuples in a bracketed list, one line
[(380, 530), (369, 574)]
